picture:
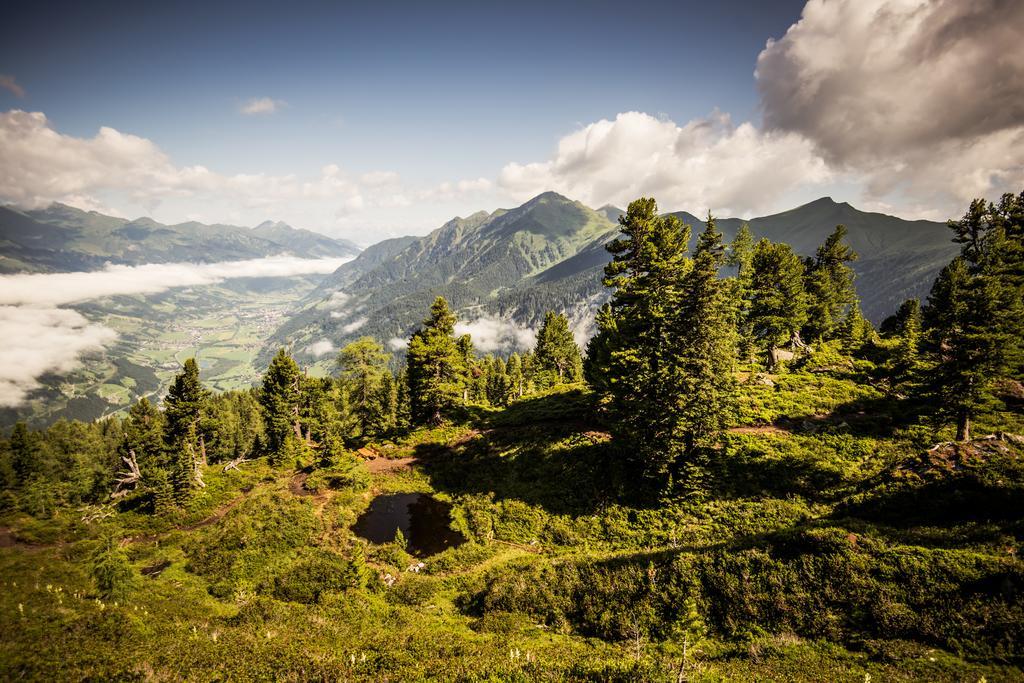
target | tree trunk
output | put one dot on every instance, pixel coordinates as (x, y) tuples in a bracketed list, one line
[(202, 449), (963, 426)]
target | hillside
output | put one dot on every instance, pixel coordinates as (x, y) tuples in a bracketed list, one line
[(61, 238), (832, 547), (549, 254)]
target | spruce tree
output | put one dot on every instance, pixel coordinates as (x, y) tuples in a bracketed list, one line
[(363, 366), (705, 343), (779, 303), (436, 366), (280, 396), (740, 257), (514, 370), (183, 411), (829, 285), (638, 360), (144, 436), (973, 319), (24, 453), (556, 351)]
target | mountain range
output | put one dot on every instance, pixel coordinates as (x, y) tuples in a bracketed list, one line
[(61, 238), (549, 254)]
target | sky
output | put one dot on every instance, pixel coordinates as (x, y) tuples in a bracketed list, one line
[(371, 120)]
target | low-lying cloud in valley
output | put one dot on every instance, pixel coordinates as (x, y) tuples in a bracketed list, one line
[(41, 338)]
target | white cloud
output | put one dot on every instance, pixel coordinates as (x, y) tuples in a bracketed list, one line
[(320, 348), (492, 334), (919, 100), (41, 340), (65, 288), (8, 83), (397, 343), (705, 163), (354, 325), (262, 105), (337, 300)]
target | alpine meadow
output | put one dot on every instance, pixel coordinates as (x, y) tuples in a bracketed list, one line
[(677, 395)]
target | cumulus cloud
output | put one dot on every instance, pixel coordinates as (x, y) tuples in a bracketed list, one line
[(337, 300), (40, 340), (397, 343), (492, 334), (918, 95), (39, 165), (705, 163), (262, 105), (55, 289), (9, 84), (320, 348)]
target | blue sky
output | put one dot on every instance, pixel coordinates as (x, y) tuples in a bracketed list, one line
[(421, 94)]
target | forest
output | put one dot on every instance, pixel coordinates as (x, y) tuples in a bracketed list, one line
[(739, 477)]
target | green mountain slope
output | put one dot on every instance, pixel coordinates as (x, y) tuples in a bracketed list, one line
[(549, 254), (475, 262), (62, 238), (899, 259)]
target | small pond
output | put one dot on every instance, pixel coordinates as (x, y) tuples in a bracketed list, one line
[(422, 518)]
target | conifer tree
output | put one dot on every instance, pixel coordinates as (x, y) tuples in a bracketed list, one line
[(514, 370), (183, 411), (740, 257), (144, 436), (704, 342), (779, 303), (363, 366), (436, 366), (829, 285), (280, 396), (638, 359), (499, 387), (973, 319), (908, 328), (24, 453), (556, 351)]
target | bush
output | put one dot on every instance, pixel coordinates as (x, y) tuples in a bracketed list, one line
[(318, 573)]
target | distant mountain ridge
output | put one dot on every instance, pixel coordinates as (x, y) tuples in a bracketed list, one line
[(63, 238), (549, 254)]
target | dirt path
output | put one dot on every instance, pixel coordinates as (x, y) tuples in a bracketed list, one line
[(384, 465), (759, 430)]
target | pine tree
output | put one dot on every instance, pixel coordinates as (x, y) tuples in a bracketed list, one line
[(638, 359), (183, 411), (514, 370), (740, 257), (556, 350), (908, 328), (24, 453), (403, 406), (829, 285), (499, 387), (280, 396), (973, 319), (779, 303), (704, 342), (436, 366), (363, 366), (144, 436)]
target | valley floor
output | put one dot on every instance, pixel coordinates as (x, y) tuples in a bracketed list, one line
[(827, 549)]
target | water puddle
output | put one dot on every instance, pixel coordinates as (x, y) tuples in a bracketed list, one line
[(422, 519)]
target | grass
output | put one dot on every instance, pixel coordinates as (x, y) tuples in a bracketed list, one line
[(817, 555)]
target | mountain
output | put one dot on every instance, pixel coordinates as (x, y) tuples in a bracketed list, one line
[(899, 259), (549, 254), (63, 238), (310, 243), (479, 263)]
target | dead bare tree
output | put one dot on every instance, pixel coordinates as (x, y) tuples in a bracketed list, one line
[(130, 478), (233, 465)]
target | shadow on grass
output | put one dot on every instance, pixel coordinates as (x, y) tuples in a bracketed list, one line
[(547, 451)]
